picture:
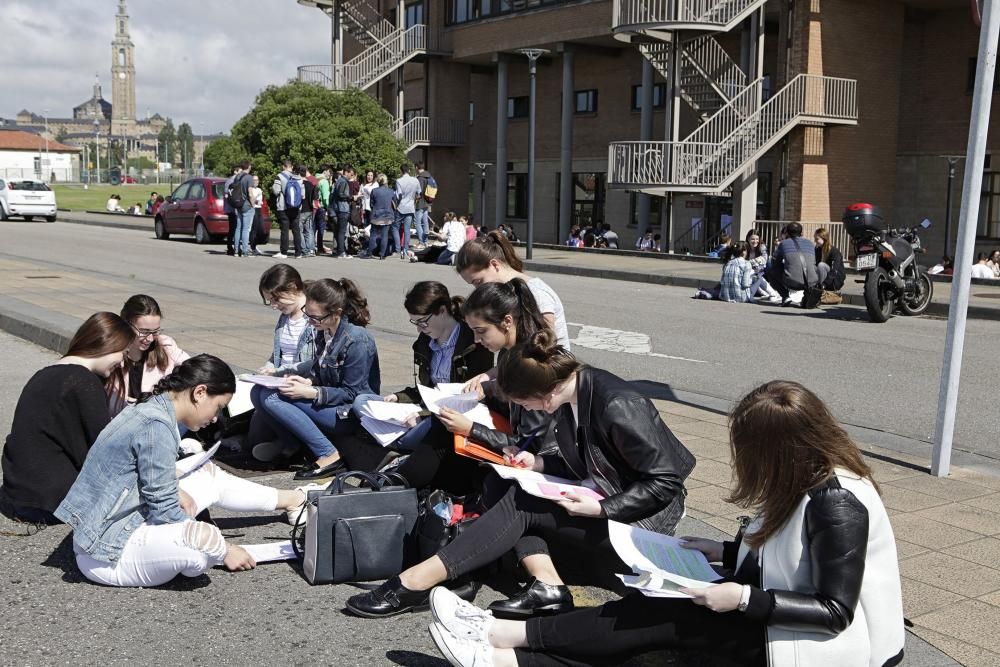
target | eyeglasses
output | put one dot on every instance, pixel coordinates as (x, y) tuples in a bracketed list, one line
[(313, 318), (422, 322), (147, 333)]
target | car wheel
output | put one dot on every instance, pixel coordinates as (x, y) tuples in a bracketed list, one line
[(3, 213), (201, 234), (50, 218), (160, 230), (29, 218)]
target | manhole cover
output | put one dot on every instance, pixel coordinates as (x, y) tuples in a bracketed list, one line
[(43, 277), (991, 295)]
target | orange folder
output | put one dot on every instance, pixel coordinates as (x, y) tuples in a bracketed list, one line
[(468, 448)]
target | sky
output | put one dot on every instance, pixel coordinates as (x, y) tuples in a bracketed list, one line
[(200, 61)]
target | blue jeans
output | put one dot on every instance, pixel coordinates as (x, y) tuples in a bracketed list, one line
[(343, 222), (305, 223), (422, 222), (403, 222), (445, 257), (379, 235), (244, 225), (409, 440), (298, 422)]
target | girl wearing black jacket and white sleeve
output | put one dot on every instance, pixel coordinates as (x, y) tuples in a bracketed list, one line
[(815, 576), (611, 439)]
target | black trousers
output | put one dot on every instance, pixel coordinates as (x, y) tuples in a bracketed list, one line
[(616, 631), (230, 248), (434, 464), (283, 225)]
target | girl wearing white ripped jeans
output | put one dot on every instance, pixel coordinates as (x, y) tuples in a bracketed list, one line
[(134, 526)]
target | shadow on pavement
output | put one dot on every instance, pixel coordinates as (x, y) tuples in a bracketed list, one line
[(414, 659)]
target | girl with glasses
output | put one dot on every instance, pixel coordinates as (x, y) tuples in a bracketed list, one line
[(315, 402), (151, 356), (445, 351), (59, 415)]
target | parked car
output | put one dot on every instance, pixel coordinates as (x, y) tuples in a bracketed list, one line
[(26, 197), (195, 207)]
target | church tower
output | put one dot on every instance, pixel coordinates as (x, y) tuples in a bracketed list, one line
[(122, 75)]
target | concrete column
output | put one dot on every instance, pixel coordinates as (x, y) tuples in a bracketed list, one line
[(400, 101), (566, 147), (501, 173), (745, 187), (645, 134), (337, 44)]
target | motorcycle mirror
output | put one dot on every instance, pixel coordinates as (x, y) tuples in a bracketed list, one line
[(926, 223)]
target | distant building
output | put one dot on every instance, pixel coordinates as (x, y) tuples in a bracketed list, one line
[(28, 155)]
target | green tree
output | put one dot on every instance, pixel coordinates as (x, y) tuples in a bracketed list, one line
[(167, 139), (222, 154), (185, 144), (313, 125), (62, 134)]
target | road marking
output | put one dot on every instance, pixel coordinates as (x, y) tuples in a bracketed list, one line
[(614, 340)]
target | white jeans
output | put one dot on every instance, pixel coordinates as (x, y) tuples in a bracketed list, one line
[(156, 553)]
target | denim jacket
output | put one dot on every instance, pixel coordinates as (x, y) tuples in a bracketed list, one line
[(128, 478), (305, 350), (348, 369)]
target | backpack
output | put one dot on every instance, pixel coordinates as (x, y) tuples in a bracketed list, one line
[(430, 189), (237, 196), (293, 193)]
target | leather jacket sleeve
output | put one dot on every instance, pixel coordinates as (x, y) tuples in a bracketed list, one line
[(836, 526), (647, 447)]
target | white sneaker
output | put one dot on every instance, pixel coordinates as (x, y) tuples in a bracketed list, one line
[(279, 255), (774, 298), (297, 516), (461, 652), (460, 618)]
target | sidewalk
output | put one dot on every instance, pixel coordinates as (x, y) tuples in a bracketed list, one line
[(947, 530), (659, 269)]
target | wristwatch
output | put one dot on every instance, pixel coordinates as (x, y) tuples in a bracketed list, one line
[(744, 599)]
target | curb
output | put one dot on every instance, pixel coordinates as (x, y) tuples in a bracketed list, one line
[(935, 309)]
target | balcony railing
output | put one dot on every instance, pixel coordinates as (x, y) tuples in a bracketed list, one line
[(425, 131), (721, 15)]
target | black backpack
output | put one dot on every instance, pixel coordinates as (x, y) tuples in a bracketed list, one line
[(237, 196)]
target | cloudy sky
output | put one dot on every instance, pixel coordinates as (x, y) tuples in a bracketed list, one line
[(200, 61)]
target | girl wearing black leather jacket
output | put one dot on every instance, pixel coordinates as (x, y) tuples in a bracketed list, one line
[(815, 580), (611, 439)]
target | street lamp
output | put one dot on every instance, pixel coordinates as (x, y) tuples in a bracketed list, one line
[(482, 191), (124, 153), (48, 159), (952, 161), (97, 147), (533, 55)]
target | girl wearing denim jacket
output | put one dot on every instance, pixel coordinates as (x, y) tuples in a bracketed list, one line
[(132, 506), (281, 287), (315, 401)]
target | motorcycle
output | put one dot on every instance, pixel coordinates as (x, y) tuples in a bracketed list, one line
[(888, 258)]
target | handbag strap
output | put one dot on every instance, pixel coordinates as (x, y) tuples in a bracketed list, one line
[(375, 481)]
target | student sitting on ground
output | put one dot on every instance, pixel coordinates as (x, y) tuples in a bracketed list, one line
[(131, 515), (114, 204), (445, 351), (757, 256), (282, 289), (946, 267), (793, 266), (981, 269), (737, 275), (455, 235), (829, 265), (315, 402), (815, 580), (59, 414), (151, 356), (625, 453)]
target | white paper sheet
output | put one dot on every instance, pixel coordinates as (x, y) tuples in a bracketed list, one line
[(661, 565), (544, 486), (241, 399), (270, 551), (390, 412), (438, 398), (385, 433), (188, 465), (268, 381)]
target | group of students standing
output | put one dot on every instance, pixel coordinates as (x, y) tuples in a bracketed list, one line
[(95, 444)]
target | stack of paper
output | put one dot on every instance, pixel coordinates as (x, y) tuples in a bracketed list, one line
[(385, 421), (269, 381), (448, 395), (661, 565)]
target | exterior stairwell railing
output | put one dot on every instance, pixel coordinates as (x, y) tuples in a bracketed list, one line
[(706, 56), (371, 64), (364, 19), (711, 14)]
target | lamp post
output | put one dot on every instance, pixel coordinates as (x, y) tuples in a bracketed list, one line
[(952, 161), (48, 160), (97, 147), (533, 55), (124, 153), (482, 191)]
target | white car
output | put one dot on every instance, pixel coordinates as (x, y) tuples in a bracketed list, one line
[(26, 197)]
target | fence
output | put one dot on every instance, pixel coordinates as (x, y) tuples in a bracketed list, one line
[(770, 230), (50, 175)]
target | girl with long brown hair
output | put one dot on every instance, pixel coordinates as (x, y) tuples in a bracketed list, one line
[(815, 579), (151, 356), (829, 262), (59, 414)]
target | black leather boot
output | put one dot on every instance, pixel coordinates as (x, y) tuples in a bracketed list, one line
[(389, 599), (535, 599)]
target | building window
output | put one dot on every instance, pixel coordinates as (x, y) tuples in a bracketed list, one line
[(472, 112), (410, 114), (585, 101), (517, 195), (588, 199), (655, 210), (659, 97), (463, 11), (414, 14), (517, 107), (989, 207)]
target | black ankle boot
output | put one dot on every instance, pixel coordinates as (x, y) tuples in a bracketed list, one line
[(535, 599), (389, 599)]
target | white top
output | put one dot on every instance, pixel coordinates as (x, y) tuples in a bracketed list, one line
[(982, 271), (455, 232), (288, 340), (256, 196), (548, 302), (366, 195)]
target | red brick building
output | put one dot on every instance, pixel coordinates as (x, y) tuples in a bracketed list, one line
[(757, 111)]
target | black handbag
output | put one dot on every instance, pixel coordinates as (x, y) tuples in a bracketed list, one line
[(357, 534), (433, 532)]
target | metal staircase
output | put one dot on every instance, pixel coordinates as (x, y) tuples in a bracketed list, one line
[(424, 131), (715, 154), (659, 18)]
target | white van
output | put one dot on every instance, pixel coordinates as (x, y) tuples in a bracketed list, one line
[(26, 197)]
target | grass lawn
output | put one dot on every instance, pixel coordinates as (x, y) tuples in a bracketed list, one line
[(75, 198)]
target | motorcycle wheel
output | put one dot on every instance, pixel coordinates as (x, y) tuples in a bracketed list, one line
[(878, 299), (918, 305)]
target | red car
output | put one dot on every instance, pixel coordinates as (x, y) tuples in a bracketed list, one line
[(195, 207)]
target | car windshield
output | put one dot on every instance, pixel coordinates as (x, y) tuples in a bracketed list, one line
[(35, 186), (218, 189)]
